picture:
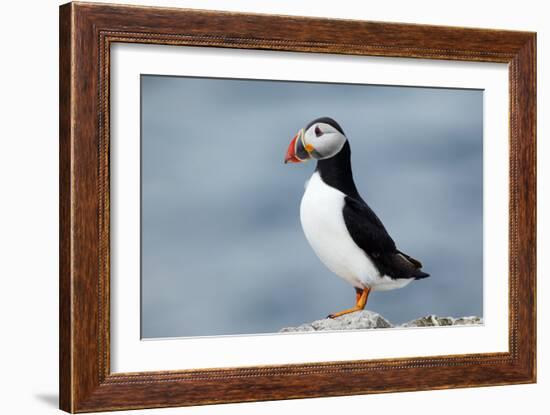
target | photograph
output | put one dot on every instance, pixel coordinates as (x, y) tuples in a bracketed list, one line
[(275, 206), (260, 203)]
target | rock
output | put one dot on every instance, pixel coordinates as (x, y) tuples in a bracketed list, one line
[(431, 321), (464, 321), (365, 319), (359, 320)]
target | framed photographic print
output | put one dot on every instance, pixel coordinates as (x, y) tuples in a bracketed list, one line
[(258, 207)]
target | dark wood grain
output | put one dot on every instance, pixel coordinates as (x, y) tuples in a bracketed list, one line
[(86, 33), (65, 137)]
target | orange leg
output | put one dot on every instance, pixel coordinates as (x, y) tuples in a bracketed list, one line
[(360, 303), (358, 292)]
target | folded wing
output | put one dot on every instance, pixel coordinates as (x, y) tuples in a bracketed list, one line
[(368, 232)]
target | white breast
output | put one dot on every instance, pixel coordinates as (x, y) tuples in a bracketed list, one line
[(323, 224)]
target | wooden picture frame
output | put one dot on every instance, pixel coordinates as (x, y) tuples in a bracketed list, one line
[(86, 33)]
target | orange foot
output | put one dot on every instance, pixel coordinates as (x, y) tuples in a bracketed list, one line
[(361, 297)]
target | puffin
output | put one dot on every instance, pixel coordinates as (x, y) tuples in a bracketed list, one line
[(343, 231)]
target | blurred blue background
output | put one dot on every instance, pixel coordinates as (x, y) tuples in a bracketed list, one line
[(222, 246)]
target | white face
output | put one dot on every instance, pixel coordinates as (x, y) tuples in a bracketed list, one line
[(323, 141)]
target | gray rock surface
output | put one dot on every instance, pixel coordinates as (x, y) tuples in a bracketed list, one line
[(355, 321), (366, 319), (432, 321)]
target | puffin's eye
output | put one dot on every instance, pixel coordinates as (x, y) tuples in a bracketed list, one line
[(318, 131)]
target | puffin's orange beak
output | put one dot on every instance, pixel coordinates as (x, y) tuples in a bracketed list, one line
[(291, 152)]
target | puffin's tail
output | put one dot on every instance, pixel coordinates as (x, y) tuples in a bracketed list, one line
[(418, 275)]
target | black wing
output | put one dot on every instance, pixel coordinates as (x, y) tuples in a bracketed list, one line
[(368, 232)]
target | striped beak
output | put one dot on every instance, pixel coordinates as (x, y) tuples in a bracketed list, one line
[(297, 152)]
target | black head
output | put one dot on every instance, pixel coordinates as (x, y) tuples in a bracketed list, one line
[(321, 139), (328, 121)]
